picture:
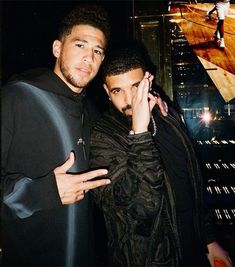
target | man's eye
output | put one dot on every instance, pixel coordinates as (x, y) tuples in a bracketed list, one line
[(98, 52), (136, 85), (115, 91), (80, 45)]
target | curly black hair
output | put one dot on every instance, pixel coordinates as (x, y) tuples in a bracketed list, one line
[(124, 58), (88, 14)]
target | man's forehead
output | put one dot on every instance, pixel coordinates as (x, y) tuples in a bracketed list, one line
[(87, 32)]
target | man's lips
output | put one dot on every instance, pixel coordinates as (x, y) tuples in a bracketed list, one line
[(83, 71)]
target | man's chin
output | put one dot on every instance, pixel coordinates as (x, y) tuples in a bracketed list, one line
[(129, 117)]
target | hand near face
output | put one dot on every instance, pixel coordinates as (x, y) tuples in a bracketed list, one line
[(72, 187), (142, 105)]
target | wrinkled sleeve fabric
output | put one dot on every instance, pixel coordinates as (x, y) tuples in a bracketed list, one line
[(30, 195), (136, 174), (21, 194)]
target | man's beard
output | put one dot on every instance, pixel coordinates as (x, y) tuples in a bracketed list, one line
[(69, 78), (127, 115)]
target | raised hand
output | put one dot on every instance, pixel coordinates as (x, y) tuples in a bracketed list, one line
[(72, 187), (142, 105)]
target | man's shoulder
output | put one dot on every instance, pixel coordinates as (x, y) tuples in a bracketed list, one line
[(26, 77), (39, 78), (13, 88), (18, 89)]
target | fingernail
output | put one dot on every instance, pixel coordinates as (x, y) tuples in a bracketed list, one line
[(108, 182)]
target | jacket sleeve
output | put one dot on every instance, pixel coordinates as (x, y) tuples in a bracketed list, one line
[(136, 174), (21, 194)]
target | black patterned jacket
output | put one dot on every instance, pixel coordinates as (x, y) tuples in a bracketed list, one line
[(138, 205)]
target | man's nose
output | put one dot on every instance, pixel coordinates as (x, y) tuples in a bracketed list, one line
[(89, 56), (128, 97)]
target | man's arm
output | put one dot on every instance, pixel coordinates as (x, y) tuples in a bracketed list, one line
[(136, 173), (24, 195), (21, 194)]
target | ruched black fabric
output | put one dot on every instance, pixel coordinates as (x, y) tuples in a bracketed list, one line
[(139, 205)]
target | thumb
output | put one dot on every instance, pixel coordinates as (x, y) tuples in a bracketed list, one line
[(68, 163)]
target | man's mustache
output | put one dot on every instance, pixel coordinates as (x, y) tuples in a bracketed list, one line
[(126, 108)]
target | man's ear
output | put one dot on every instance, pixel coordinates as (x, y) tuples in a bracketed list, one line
[(106, 89), (56, 48)]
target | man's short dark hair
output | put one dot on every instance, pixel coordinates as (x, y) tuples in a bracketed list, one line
[(123, 59), (87, 14)]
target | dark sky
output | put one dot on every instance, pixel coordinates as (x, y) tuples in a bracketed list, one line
[(29, 28)]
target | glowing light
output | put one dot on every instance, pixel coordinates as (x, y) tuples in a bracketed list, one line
[(206, 117)]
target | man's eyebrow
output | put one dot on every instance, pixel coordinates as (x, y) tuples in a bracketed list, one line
[(79, 40), (118, 88), (136, 83), (100, 47), (85, 41)]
